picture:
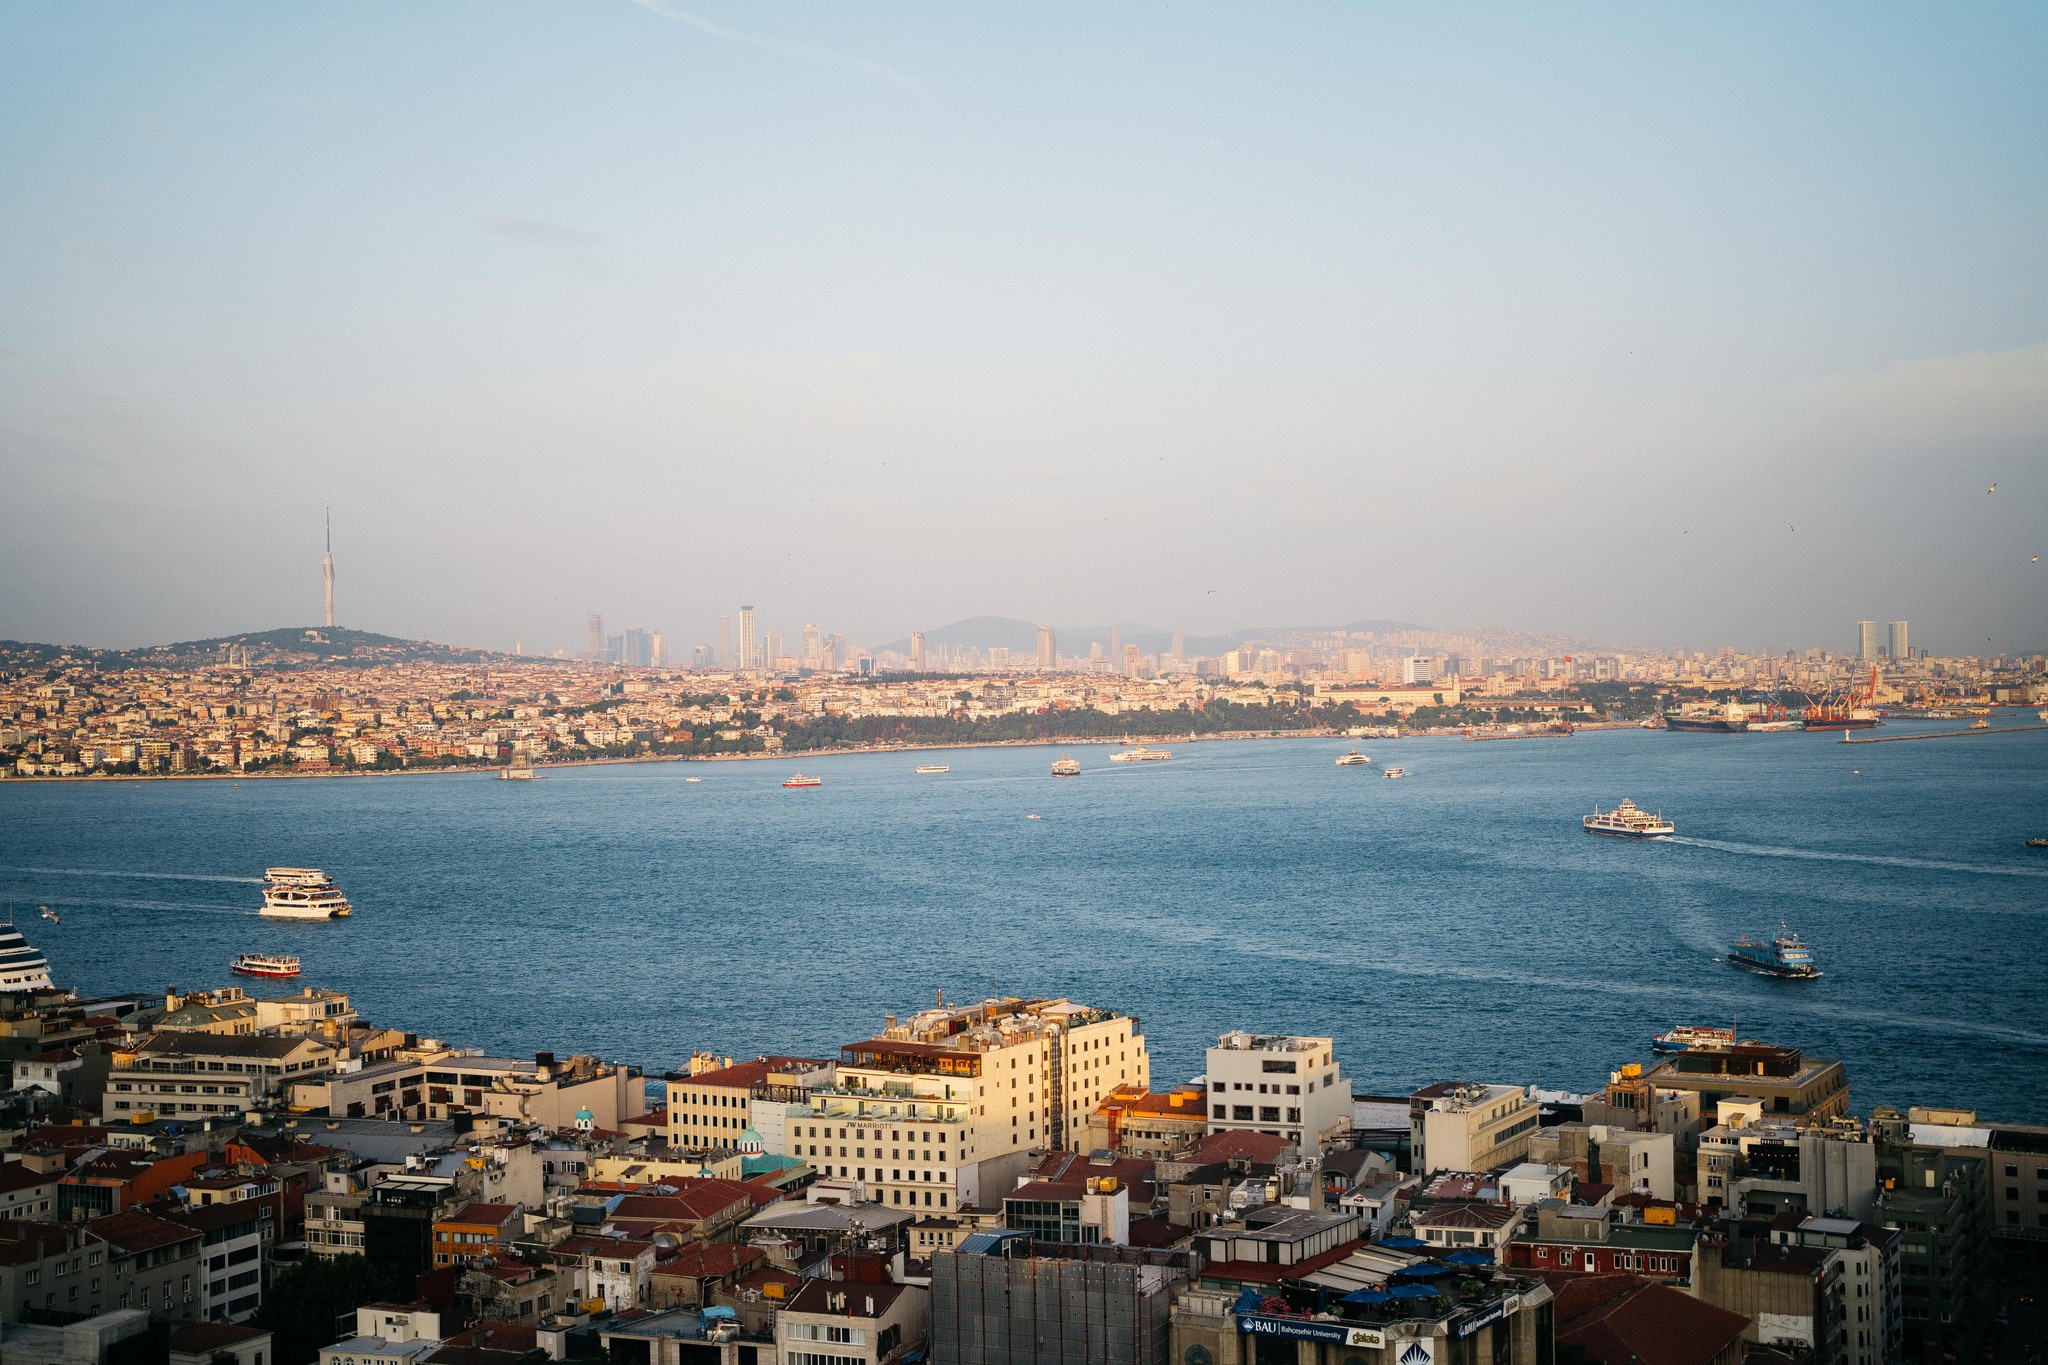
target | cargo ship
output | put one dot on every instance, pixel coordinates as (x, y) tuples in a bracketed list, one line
[(1730, 719), (1785, 955)]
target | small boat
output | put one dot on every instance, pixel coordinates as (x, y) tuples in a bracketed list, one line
[(1629, 821), (693, 779), (1397, 772), (1354, 759), (1067, 767), (2031, 843), (799, 780), (1980, 725), (302, 893), (1692, 1035), (1034, 816), (935, 767), (1786, 955), (276, 965)]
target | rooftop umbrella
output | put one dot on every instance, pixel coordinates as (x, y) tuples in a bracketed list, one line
[(1368, 1295), (1402, 1243), (1469, 1258), (1423, 1271), (1411, 1291)]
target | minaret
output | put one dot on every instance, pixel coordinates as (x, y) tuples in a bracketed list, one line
[(327, 567)]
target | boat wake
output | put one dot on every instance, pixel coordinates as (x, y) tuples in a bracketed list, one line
[(144, 876), (1875, 859), (182, 907)]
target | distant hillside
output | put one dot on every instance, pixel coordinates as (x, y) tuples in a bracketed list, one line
[(293, 646), (1006, 632)]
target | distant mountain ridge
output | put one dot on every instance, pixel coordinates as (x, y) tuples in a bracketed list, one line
[(1007, 632), (286, 646)]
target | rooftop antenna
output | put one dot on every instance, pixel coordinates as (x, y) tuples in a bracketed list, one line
[(327, 566)]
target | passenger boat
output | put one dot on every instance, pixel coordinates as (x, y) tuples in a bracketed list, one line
[(22, 968), (302, 893), (2037, 843), (935, 767), (275, 965), (1629, 821), (799, 780), (1354, 759), (1397, 772), (1692, 1035), (1785, 955), (1066, 767), (1141, 754)]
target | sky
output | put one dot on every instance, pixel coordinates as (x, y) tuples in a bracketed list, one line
[(1668, 326)]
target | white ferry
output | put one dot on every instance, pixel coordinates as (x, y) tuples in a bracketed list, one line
[(1067, 767), (1692, 1035), (22, 968), (277, 965), (1141, 754), (935, 767), (1354, 759), (1397, 772), (302, 893), (1628, 821), (799, 780)]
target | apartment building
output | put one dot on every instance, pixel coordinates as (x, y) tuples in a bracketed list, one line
[(192, 1075), (1278, 1085), (1460, 1126), (941, 1111), (714, 1102), (1788, 1083)]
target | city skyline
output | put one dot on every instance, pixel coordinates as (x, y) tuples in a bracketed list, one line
[(1673, 329)]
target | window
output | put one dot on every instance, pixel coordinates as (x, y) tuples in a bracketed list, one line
[(1220, 1110), (1241, 1111)]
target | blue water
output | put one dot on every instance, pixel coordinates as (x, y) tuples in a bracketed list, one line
[(1457, 923)]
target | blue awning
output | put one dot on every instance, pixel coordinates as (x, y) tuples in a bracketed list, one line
[(1402, 1243), (1425, 1271), (1368, 1295), (1468, 1257), (1412, 1291)]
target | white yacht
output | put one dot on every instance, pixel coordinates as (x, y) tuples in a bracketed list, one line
[(1353, 759), (22, 968), (935, 767), (1629, 821), (301, 893)]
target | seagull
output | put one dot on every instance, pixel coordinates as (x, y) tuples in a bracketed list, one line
[(1790, 527), (1992, 489), (2037, 559)]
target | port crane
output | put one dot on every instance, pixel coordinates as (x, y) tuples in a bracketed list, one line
[(1838, 707)]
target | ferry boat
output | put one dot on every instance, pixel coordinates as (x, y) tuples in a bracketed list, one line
[(1397, 772), (22, 968), (1692, 1035), (1354, 759), (799, 780), (1786, 955), (301, 893), (1066, 767), (1628, 820), (277, 965), (1141, 754), (935, 767)]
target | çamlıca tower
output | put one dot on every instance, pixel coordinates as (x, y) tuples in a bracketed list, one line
[(327, 568)]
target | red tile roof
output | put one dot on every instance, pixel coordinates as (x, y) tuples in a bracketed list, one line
[(204, 1338), (862, 1300), (481, 1216), (134, 1231), (1236, 1144), (710, 1260), (1619, 1319)]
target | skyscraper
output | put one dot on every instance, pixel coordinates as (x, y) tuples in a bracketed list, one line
[(814, 646), (327, 567), (748, 658), (1866, 639), (1116, 644), (1048, 648), (1132, 661), (917, 651), (1180, 645), (1900, 648), (724, 641), (596, 653), (771, 650), (655, 650)]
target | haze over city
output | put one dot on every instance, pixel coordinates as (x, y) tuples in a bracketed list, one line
[(1657, 328)]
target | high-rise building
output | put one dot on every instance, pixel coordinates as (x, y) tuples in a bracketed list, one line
[(1416, 669), (596, 651), (724, 641), (1116, 643), (1900, 648), (1133, 661), (917, 651), (654, 652), (1284, 1086), (1866, 639), (749, 657), (636, 648), (1048, 648), (829, 659), (771, 650), (814, 647), (327, 567), (1180, 646)]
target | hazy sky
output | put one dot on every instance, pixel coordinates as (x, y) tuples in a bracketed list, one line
[(1656, 324)]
